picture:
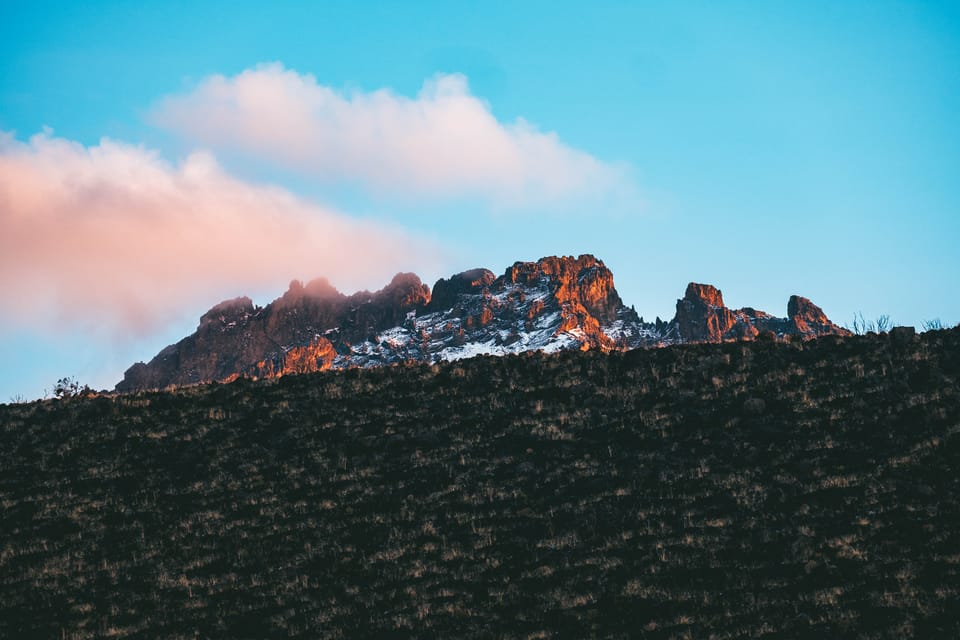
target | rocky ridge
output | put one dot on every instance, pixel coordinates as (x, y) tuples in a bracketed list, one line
[(553, 304)]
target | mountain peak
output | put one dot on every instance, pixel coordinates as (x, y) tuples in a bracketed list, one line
[(702, 316), (405, 291), (228, 311), (551, 266), (555, 303), (800, 307), (317, 289), (704, 293), (809, 319)]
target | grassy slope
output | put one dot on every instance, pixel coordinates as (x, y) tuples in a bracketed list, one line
[(725, 491)]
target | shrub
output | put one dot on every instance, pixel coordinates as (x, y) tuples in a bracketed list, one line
[(863, 326), (68, 387)]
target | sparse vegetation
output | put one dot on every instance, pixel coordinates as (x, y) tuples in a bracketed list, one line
[(68, 387), (741, 490), (862, 326), (932, 325)]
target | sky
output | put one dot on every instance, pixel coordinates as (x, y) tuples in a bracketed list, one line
[(159, 157)]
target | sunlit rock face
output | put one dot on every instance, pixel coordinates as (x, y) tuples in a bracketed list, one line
[(318, 355), (582, 289), (702, 317), (809, 320), (553, 304)]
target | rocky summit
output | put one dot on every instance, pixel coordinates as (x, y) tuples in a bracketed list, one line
[(553, 304)]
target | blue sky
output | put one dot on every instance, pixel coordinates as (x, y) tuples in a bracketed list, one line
[(767, 148)]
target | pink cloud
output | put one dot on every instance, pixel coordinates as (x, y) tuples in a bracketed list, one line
[(443, 143), (115, 238)]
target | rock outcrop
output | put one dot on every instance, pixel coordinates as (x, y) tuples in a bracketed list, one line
[(552, 304), (583, 289), (703, 317), (809, 319), (446, 292), (293, 334)]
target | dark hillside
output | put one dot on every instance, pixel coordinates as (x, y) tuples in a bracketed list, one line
[(738, 490)]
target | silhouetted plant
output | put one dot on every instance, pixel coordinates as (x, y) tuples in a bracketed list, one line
[(69, 387), (859, 325), (863, 326)]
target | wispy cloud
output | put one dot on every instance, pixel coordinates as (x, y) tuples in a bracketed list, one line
[(443, 143), (115, 238)]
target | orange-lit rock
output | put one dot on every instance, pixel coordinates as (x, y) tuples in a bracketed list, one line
[(584, 281), (809, 319), (583, 288), (701, 316), (704, 293), (316, 356), (486, 316)]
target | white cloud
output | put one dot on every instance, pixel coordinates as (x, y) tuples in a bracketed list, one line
[(115, 238), (443, 143)]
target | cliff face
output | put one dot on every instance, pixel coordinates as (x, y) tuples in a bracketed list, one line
[(703, 317), (556, 303), (808, 319), (584, 284), (582, 288)]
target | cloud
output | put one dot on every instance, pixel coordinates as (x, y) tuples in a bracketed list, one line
[(115, 238), (444, 143)]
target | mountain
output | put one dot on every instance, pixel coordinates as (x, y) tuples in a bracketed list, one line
[(553, 304)]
